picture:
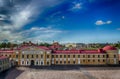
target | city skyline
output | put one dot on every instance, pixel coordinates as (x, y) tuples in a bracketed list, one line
[(82, 21)]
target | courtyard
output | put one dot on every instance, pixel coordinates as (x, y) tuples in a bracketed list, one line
[(65, 72)]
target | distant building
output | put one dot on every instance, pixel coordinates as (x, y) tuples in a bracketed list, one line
[(31, 54), (70, 45)]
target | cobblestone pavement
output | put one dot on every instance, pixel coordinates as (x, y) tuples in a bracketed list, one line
[(79, 73)]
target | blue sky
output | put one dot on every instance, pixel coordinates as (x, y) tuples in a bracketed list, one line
[(83, 21)]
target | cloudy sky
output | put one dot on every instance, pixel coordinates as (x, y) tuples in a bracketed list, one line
[(60, 20)]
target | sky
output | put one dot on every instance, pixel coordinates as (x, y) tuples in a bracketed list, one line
[(83, 21)]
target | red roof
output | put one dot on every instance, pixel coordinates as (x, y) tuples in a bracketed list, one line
[(3, 57), (77, 52), (108, 47), (6, 51), (55, 46)]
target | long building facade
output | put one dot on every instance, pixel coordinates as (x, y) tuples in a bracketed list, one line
[(33, 55)]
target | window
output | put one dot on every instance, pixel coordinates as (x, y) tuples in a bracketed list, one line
[(73, 62), (56, 56), (0, 62), (93, 60), (27, 62), (16, 56), (107, 56), (47, 56), (56, 62), (73, 56), (60, 62), (27, 56), (22, 62), (83, 56), (88, 56), (60, 56), (68, 62), (78, 56), (64, 56), (32, 56), (47, 63), (64, 62), (114, 56), (52, 56), (9, 55), (36, 56), (98, 56), (103, 56), (98, 60), (83, 60), (93, 56), (103, 60), (36, 62), (68, 56), (41, 63), (41, 56), (88, 60)]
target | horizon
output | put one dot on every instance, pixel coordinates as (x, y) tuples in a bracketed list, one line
[(51, 42), (66, 21)]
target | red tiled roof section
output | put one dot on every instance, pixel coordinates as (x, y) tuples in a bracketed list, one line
[(3, 57), (91, 52), (78, 52), (108, 47), (6, 51)]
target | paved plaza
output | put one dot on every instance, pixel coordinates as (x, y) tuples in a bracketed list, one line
[(63, 73)]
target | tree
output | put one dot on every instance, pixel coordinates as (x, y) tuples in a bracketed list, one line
[(8, 44)]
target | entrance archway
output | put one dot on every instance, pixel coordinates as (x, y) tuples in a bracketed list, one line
[(32, 62)]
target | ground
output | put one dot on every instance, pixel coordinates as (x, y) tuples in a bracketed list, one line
[(63, 72)]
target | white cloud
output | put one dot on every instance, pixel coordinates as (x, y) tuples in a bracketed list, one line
[(34, 33), (108, 22), (118, 28), (77, 6), (40, 33), (23, 13), (100, 22), (3, 17), (63, 17)]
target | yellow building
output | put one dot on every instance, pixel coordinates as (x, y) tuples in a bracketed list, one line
[(29, 54)]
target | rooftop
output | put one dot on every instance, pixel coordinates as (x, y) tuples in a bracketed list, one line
[(2, 57)]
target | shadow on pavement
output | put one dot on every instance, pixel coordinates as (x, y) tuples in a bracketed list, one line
[(75, 67), (12, 73)]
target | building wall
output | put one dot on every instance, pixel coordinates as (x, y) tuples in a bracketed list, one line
[(39, 58), (112, 57), (82, 59), (4, 64), (46, 58)]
